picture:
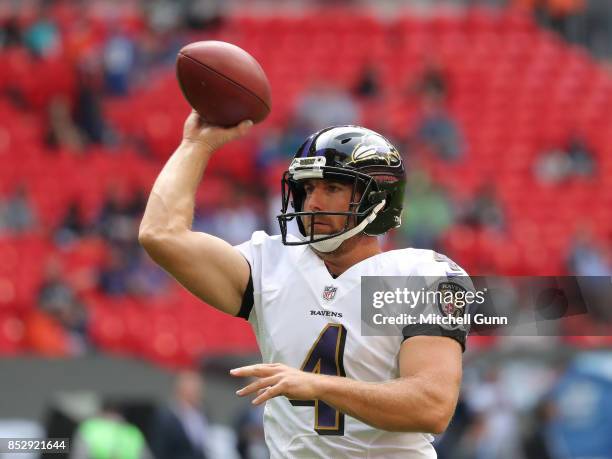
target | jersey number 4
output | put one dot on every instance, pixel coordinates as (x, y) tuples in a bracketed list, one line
[(326, 357)]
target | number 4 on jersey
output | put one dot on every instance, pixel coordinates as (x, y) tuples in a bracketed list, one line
[(326, 357)]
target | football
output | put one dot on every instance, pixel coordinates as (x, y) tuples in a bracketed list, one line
[(223, 83)]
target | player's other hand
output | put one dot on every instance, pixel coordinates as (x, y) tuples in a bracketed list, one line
[(197, 131), (274, 379)]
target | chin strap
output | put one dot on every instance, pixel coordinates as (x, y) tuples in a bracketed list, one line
[(331, 244)]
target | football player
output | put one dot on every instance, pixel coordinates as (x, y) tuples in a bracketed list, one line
[(329, 390)]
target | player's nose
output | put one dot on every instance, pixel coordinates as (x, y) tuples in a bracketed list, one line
[(315, 200)]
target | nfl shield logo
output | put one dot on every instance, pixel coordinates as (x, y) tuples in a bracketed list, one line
[(329, 292)]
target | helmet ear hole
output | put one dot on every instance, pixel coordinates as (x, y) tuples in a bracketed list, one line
[(377, 196)]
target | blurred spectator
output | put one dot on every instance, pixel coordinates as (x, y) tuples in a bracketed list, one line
[(565, 17), (587, 257), (581, 157), (271, 150), (584, 22), (484, 210), (163, 15), (57, 298), (279, 146), (16, 213), (203, 14), (42, 38), (598, 28), (573, 160), (433, 83), (236, 217), (583, 408), (72, 226), (251, 441), (537, 442), (553, 166), (88, 113), (10, 33), (368, 85), (180, 429), (44, 335), (61, 131), (120, 216), (427, 212), (495, 434), (125, 271), (439, 132), (148, 279), (113, 278), (108, 436), (325, 105), (131, 273), (119, 57), (448, 446)]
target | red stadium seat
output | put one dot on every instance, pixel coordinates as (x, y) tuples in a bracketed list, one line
[(515, 90)]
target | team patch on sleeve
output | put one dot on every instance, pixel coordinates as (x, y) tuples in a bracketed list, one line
[(451, 299)]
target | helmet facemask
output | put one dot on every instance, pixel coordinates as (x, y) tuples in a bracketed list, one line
[(366, 202), (353, 154)]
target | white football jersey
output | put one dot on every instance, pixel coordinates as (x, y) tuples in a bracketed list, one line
[(305, 318)]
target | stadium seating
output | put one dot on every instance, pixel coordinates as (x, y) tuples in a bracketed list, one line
[(516, 90)]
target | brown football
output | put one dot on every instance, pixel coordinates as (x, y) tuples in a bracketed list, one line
[(223, 83)]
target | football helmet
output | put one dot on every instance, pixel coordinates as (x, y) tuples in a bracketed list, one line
[(351, 154)]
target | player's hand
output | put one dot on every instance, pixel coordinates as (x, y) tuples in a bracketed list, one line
[(211, 137), (274, 379)]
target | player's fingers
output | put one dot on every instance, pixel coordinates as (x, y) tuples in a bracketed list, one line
[(258, 385), (197, 119), (269, 393), (241, 129), (260, 370), (248, 370)]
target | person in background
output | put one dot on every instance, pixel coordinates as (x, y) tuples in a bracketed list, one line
[(109, 436), (433, 83), (587, 257), (59, 300), (438, 131), (485, 211), (42, 38), (88, 107), (62, 132), (16, 213), (323, 105), (180, 429), (537, 444), (368, 85), (428, 212), (251, 441), (560, 164), (119, 60)]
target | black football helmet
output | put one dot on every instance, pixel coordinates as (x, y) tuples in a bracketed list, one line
[(350, 154)]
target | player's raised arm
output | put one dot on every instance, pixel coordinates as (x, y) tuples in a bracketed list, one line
[(207, 266)]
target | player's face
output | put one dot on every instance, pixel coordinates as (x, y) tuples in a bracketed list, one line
[(326, 196)]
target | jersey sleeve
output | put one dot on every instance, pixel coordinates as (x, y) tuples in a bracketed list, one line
[(445, 310), (252, 251)]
